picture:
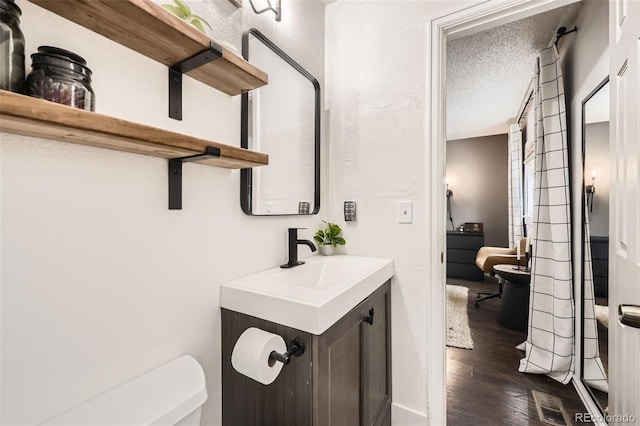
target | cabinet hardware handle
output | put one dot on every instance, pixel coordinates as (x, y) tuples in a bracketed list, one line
[(369, 318)]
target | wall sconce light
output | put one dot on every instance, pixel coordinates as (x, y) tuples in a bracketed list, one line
[(449, 194), (590, 190), (267, 6)]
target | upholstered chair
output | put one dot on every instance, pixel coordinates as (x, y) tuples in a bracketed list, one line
[(488, 257)]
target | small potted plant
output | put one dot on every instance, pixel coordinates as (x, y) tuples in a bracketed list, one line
[(182, 11), (329, 237)]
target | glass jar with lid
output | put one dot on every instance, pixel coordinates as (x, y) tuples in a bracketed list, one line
[(61, 76), (11, 48)]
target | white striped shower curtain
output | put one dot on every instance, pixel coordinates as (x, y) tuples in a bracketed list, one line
[(515, 185), (549, 348)]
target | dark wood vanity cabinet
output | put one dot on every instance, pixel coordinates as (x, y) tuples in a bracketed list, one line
[(343, 378)]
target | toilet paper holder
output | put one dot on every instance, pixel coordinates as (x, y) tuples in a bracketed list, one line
[(295, 348)]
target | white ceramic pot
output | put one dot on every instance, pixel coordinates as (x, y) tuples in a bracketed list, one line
[(326, 250)]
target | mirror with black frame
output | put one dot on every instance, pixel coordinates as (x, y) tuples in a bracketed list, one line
[(281, 119), (595, 243)]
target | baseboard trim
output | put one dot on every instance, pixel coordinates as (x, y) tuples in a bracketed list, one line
[(403, 416)]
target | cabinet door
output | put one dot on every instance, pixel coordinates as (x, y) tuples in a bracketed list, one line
[(336, 371), (376, 360)]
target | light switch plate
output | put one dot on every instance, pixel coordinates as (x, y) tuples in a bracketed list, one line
[(405, 212)]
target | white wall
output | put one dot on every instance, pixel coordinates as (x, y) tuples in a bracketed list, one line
[(377, 77), (478, 177), (100, 281)]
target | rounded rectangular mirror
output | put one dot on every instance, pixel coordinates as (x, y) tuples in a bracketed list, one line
[(595, 243), (281, 119)]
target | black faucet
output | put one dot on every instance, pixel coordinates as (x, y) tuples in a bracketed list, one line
[(293, 248)]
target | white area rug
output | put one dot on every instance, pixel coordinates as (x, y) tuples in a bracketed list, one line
[(458, 331), (602, 315)]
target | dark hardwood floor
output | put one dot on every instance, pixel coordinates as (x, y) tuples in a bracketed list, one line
[(484, 386)]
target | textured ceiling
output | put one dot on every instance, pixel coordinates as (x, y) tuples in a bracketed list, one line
[(488, 73)]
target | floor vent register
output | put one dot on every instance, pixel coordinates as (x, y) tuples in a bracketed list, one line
[(550, 409)]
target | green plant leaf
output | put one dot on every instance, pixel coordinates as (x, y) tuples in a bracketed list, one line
[(329, 234), (201, 19), (186, 9), (334, 231), (196, 23), (174, 10)]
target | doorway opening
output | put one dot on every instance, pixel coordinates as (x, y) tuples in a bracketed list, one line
[(454, 27)]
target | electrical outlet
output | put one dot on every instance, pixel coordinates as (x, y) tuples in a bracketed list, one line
[(349, 211), (405, 212)]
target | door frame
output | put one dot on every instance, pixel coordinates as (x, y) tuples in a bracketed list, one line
[(460, 23)]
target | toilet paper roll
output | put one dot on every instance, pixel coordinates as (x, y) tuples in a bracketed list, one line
[(250, 355)]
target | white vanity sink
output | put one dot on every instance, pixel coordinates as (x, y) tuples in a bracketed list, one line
[(310, 297)]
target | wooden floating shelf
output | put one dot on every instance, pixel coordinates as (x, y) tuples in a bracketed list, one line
[(147, 28), (29, 116)]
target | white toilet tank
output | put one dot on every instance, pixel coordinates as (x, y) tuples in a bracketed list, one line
[(170, 395)]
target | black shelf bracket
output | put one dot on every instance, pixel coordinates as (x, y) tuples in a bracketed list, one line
[(175, 76), (175, 175)]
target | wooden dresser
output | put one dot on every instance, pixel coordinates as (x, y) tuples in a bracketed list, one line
[(600, 261), (462, 248)]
